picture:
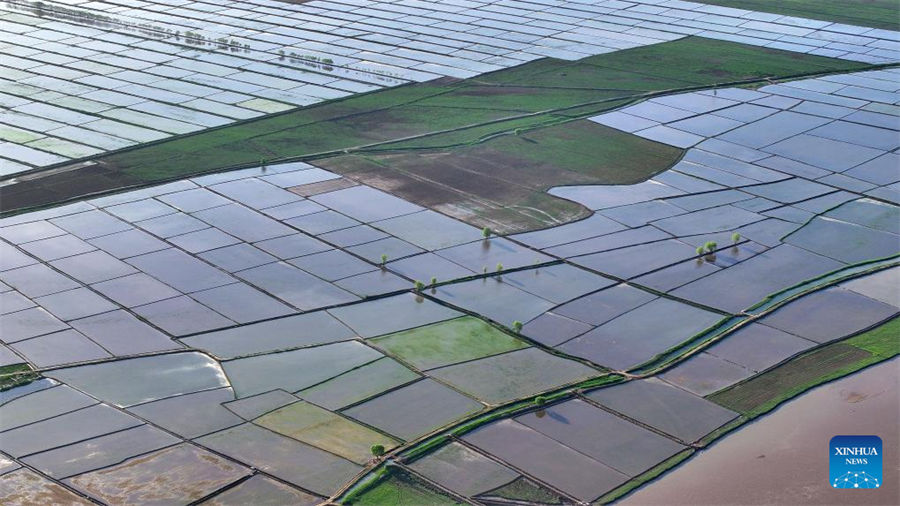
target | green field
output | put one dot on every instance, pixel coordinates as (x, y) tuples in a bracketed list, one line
[(585, 148), (462, 111), (402, 489), (883, 14), (524, 490), (447, 342)]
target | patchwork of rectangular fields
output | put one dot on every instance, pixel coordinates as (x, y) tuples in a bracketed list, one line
[(338, 327), (82, 78)]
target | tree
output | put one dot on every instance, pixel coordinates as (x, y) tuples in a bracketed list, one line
[(383, 259), (517, 326), (433, 281), (540, 400), (485, 232), (710, 246), (699, 250), (735, 237), (499, 267), (419, 285), (377, 450)]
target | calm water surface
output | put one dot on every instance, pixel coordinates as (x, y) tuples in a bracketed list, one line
[(782, 458)]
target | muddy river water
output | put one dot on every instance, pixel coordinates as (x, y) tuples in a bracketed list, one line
[(782, 458)]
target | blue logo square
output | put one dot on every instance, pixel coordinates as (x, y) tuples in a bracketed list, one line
[(855, 462)]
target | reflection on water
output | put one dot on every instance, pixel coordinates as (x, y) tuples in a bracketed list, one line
[(783, 457), (89, 18), (213, 38)]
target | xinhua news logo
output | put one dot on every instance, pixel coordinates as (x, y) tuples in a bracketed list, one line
[(855, 462)]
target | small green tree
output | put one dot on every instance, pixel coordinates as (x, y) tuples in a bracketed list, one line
[(499, 267), (377, 450), (517, 326), (419, 285), (710, 246), (383, 259), (699, 250), (540, 400), (485, 232), (735, 237), (433, 281)]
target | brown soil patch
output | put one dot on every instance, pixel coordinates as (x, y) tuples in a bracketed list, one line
[(45, 189), (308, 190), (471, 197), (502, 183)]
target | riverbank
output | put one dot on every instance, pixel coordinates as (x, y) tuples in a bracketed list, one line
[(782, 457)]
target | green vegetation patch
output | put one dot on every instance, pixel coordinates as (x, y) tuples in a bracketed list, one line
[(464, 110), (527, 98), (324, 429), (572, 151), (706, 62), (448, 342), (480, 133), (16, 375), (764, 392), (401, 488), (525, 490), (883, 341), (875, 13)]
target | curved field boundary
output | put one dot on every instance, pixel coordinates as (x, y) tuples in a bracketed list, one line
[(781, 297), (769, 304)]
